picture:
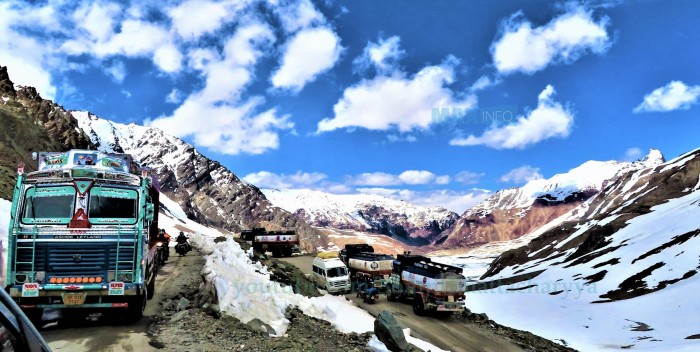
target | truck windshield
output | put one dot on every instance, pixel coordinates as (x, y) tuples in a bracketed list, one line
[(335, 272), (44, 207), (112, 203)]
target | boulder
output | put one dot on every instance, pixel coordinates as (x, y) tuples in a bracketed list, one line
[(258, 325), (390, 332), (183, 304)]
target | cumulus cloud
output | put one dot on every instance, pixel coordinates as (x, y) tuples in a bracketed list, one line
[(522, 174), (457, 201), (266, 179), (522, 48), (308, 54), (232, 126), (408, 177), (397, 101), (117, 71), (297, 14), (383, 55), (676, 95), (195, 18), (550, 119)]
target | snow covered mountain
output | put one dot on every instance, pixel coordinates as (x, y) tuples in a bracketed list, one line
[(514, 212), (620, 271), (365, 212), (206, 190)]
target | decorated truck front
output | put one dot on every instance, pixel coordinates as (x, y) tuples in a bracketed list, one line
[(280, 243), (364, 263), (79, 234), (432, 286)]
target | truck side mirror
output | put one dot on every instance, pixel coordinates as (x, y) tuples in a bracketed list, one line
[(150, 212)]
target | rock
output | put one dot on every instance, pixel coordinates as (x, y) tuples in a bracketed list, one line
[(258, 325), (390, 333), (212, 310), (282, 267), (183, 304), (179, 316)]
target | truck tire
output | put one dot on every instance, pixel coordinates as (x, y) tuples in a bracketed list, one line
[(137, 304), (418, 306), (390, 294), (276, 252), (34, 315), (287, 252), (151, 288)]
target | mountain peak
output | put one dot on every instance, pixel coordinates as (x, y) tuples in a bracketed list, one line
[(653, 158), (6, 85)]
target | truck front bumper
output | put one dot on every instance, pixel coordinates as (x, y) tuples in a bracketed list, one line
[(95, 296)]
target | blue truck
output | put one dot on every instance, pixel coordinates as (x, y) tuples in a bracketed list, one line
[(83, 234)]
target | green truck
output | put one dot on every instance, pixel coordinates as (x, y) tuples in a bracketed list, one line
[(82, 234)]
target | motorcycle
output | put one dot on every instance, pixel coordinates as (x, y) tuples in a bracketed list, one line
[(182, 248), (162, 253), (369, 294)]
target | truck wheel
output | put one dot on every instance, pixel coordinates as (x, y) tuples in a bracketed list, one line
[(418, 307), (34, 315), (276, 252), (287, 252), (135, 309), (390, 294), (151, 288)]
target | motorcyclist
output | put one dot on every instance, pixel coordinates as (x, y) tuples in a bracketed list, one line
[(183, 239), (164, 238)]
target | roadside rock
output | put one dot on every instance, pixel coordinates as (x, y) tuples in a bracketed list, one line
[(258, 325), (390, 333), (183, 304)]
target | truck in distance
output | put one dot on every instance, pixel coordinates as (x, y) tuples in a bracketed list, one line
[(432, 286), (365, 264), (82, 234), (280, 243)]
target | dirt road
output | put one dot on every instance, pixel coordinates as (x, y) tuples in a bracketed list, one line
[(449, 334), (101, 333)]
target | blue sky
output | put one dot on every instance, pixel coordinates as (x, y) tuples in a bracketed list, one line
[(341, 96)]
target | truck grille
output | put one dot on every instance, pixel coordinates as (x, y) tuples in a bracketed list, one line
[(338, 283), (72, 259)]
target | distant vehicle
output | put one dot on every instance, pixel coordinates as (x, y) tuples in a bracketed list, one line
[(280, 243), (82, 234), (331, 274), (17, 333), (365, 264), (432, 286)]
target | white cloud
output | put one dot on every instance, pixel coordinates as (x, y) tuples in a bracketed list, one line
[(468, 177), (673, 96), (194, 18), (295, 15), (633, 154), (29, 61), (397, 101), (408, 177), (457, 201), (308, 54), (393, 138), (522, 48), (382, 55), (550, 119), (374, 179), (117, 71), (266, 179), (522, 174), (97, 19), (484, 82), (416, 177), (231, 126), (174, 97)]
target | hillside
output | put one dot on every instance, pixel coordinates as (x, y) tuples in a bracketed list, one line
[(514, 212), (408, 223)]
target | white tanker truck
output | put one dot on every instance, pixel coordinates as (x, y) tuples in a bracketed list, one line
[(364, 263), (432, 286)]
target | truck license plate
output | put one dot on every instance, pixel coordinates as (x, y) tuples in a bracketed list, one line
[(30, 290), (74, 299)]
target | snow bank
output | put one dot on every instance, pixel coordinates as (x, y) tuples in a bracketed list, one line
[(5, 207)]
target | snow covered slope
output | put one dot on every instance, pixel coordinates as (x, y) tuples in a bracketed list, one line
[(206, 190), (364, 212), (623, 275), (514, 212)]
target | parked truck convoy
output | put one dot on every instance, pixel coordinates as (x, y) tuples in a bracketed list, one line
[(82, 234), (365, 264), (431, 286), (280, 243)]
